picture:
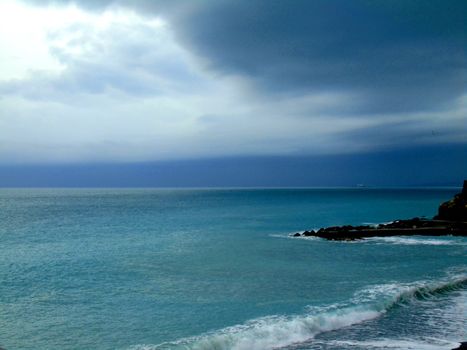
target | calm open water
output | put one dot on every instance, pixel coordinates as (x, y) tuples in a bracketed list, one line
[(215, 269)]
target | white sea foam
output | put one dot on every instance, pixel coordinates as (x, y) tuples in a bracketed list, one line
[(396, 240), (402, 344), (414, 241), (291, 235), (279, 331), (376, 224), (271, 332), (274, 235)]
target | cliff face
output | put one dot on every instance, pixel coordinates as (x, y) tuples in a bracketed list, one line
[(454, 209)]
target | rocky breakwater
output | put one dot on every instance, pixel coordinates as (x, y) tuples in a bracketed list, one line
[(451, 220)]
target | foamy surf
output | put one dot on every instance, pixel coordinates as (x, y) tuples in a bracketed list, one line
[(270, 332), (401, 240), (291, 236), (280, 331), (396, 344)]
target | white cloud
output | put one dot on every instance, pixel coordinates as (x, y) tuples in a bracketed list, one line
[(23, 38)]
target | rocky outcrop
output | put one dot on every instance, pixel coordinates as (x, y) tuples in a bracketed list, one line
[(411, 227), (462, 346), (454, 209), (451, 220)]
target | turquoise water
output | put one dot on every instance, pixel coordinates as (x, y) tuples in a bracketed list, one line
[(216, 269)]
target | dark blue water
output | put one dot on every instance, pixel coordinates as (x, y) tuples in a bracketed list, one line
[(215, 269)]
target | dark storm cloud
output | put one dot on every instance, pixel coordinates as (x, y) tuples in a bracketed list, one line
[(427, 166), (242, 78), (397, 135), (400, 56)]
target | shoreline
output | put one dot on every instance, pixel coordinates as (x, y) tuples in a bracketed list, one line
[(451, 220), (410, 227)]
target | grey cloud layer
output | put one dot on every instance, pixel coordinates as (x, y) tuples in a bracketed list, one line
[(244, 78), (402, 56)]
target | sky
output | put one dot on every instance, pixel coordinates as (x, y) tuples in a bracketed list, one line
[(232, 93)]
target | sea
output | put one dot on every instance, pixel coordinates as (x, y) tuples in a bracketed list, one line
[(147, 269)]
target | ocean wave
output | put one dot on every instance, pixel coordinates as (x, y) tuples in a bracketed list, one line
[(270, 332), (279, 331), (396, 294)]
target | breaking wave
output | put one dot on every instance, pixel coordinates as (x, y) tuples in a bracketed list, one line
[(280, 331)]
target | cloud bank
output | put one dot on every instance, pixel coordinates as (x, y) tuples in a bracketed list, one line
[(120, 81)]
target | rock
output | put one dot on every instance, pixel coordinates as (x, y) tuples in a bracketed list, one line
[(462, 346), (454, 209), (451, 220), (309, 233), (410, 227)]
